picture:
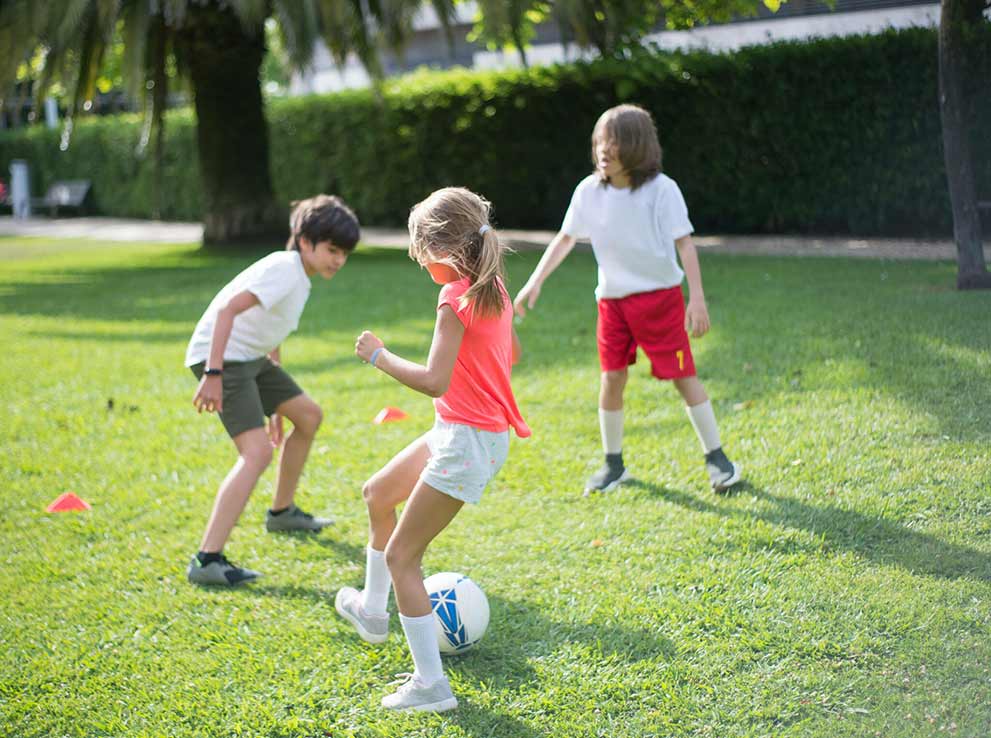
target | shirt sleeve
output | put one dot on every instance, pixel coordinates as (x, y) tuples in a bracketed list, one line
[(273, 282), (450, 294), (673, 212), (575, 224)]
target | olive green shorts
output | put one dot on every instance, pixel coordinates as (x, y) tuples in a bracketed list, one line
[(252, 391)]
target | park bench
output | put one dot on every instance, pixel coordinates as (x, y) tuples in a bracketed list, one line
[(66, 193)]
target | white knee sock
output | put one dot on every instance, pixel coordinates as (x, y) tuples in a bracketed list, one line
[(611, 428), (421, 634), (375, 596), (704, 423)]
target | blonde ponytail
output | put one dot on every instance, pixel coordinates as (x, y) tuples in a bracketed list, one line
[(485, 292)]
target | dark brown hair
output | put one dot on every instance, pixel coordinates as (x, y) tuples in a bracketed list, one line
[(632, 129), (452, 227), (323, 218)]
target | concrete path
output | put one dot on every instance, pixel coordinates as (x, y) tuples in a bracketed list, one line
[(120, 229)]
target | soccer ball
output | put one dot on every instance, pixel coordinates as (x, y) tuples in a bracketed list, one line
[(461, 611)]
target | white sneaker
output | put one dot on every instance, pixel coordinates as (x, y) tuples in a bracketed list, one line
[(371, 628), (415, 695)]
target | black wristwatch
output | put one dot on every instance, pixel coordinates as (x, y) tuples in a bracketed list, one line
[(213, 372)]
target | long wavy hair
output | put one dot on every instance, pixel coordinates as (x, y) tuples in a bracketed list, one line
[(452, 227), (632, 129)]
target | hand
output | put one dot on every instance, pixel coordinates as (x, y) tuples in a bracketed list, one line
[(275, 430), (366, 344), (696, 318), (209, 394), (528, 295)]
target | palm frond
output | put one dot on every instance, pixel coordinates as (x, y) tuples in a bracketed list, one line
[(299, 29), (136, 19), (251, 13)]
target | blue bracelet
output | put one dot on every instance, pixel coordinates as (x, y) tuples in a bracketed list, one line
[(375, 355)]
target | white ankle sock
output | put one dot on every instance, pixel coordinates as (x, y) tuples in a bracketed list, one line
[(611, 428), (421, 635), (704, 423), (375, 595)]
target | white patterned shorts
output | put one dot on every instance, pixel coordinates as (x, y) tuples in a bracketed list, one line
[(463, 459)]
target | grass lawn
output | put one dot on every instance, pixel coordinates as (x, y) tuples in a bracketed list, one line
[(844, 590)]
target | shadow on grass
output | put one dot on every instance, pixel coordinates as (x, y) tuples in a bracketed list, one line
[(478, 721), (342, 550), (520, 633), (874, 538)]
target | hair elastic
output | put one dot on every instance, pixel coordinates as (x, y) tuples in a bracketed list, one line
[(484, 229), (375, 355)]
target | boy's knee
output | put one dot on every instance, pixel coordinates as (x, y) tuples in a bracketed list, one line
[(258, 456), (309, 419)]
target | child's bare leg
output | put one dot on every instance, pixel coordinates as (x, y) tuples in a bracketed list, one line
[(305, 416), (383, 492), (426, 514), (691, 390), (391, 485), (611, 389), (254, 456)]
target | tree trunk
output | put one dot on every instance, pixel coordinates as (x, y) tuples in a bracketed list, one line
[(960, 21), (223, 60)]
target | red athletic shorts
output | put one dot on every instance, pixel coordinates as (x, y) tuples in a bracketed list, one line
[(654, 321)]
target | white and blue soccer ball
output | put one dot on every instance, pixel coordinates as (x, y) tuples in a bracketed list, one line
[(461, 611)]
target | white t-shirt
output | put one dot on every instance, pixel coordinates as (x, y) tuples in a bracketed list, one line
[(632, 233), (280, 283)]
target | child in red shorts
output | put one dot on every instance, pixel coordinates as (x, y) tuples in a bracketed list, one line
[(637, 220)]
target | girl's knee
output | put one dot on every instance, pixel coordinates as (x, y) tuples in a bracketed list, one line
[(373, 493), (400, 558)]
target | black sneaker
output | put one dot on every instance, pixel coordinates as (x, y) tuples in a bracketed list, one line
[(723, 473), (611, 475), (219, 571)]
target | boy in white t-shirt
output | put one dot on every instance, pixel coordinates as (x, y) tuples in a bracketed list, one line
[(234, 352), (638, 224)]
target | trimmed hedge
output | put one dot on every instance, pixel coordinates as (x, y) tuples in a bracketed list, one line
[(837, 135)]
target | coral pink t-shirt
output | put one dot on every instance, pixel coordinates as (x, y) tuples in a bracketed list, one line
[(480, 394)]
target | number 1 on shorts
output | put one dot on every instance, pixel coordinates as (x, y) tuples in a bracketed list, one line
[(681, 359)]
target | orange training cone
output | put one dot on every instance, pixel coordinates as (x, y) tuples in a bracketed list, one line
[(388, 415), (67, 502)]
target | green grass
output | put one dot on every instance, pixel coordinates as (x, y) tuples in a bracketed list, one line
[(845, 590)]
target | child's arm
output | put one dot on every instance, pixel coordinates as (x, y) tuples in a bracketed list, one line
[(432, 379), (559, 248), (210, 392), (696, 314)]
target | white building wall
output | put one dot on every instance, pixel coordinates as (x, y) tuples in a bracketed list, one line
[(326, 77)]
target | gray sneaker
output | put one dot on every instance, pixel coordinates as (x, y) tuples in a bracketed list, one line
[(612, 474), (220, 572), (723, 473), (294, 519), (415, 695), (371, 628)]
